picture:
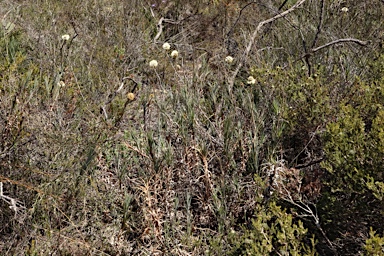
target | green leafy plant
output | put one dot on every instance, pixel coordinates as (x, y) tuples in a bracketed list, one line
[(275, 232)]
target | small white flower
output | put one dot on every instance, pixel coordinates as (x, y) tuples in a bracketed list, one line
[(344, 9), (61, 84), (153, 63), (251, 80), (229, 59), (65, 37), (248, 241), (108, 9), (166, 46), (174, 54)]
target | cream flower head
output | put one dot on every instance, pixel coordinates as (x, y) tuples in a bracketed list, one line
[(166, 46), (251, 80), (61, 84), (153, 63), (174, 54), (131, 96), (344, 9), (229, 59), (65, 37)]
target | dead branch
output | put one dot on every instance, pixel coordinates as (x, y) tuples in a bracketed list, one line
[(339, 41), (253, 39), (160, 27)]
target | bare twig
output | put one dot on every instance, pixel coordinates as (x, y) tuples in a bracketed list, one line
[(308, 212), (207, 174), (112, 96), (136, 150), (339, 41), (160, 27), (253, 39), (320, 25), (287, 183), (14, 204), (282, 5), (307, 55), (238, 18), (306, 146)]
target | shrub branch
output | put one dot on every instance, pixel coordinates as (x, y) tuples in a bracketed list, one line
[(253, 39), (339, 41)]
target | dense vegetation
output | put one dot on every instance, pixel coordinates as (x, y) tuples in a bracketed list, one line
[(257, 130)]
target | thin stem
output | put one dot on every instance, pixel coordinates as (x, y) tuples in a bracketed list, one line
[(253, 39)]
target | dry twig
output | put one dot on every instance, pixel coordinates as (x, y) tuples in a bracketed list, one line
[(253, 39)]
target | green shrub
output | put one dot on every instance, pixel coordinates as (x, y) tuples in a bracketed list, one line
[(275, 232), (374, 245), (353, 146)]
